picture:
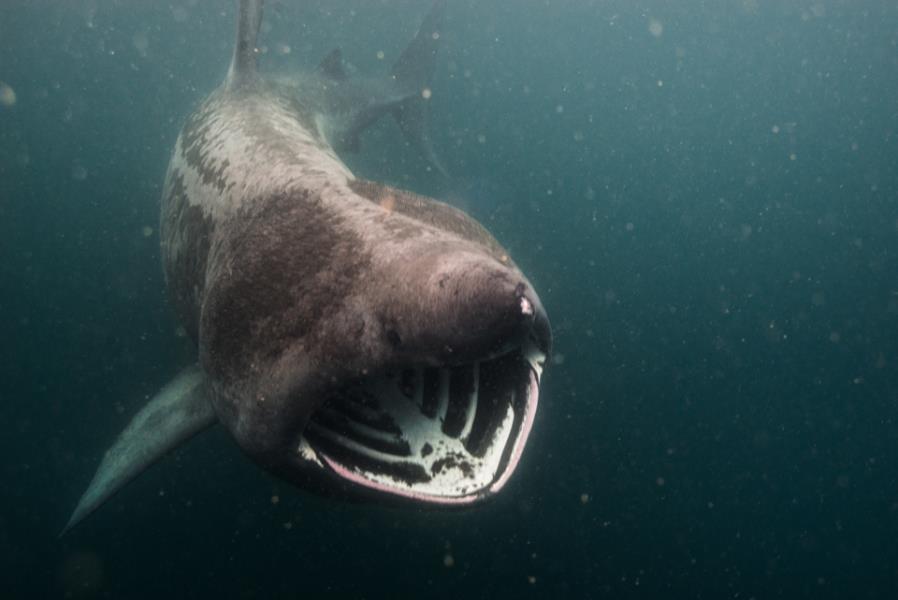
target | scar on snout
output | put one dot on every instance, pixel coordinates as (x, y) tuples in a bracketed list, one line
[(388, 203)]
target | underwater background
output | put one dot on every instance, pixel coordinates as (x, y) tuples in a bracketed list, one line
[(705, 195)]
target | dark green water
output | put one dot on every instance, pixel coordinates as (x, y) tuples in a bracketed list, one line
[(705, 195)]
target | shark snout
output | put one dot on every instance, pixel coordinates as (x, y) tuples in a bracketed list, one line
[(494, 310), (460, 306), (518, 318), (534, 320)]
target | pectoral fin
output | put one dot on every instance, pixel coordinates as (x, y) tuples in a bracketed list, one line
[(175, 414)]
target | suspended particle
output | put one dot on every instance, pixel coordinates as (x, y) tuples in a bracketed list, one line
[(7, 95), (141, 42)]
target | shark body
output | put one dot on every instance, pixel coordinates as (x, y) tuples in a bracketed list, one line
[(353, 338)]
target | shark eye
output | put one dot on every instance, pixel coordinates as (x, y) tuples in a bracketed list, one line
[(394, 338)]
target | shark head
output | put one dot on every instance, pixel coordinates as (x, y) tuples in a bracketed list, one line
[(417, 380), (442, 413)]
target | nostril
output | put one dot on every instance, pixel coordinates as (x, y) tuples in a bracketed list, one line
[(393, 338)]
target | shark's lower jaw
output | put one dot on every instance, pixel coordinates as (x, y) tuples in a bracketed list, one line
[(449, 436)]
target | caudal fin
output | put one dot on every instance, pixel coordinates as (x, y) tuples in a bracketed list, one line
[(412, 75), (413, 71)]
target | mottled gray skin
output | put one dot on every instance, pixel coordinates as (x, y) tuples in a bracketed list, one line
[(351, 337), (291, 276)]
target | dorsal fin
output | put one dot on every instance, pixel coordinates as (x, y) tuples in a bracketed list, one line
[(332, 65), (243, 64)]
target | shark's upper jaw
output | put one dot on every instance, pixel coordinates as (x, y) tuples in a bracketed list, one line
[(444, 436)]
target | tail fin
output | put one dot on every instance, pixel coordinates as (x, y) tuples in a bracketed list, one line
[(406, 97), (414, 69), (412, 74), (243, 64)]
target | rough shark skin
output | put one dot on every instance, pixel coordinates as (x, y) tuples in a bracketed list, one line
[(352, 338)]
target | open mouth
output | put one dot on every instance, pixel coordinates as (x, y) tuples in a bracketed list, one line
[(449, 435)]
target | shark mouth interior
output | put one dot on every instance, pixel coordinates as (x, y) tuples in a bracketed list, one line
[(449, 435)]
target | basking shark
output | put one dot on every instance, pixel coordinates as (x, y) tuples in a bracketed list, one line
[(353, 338)]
